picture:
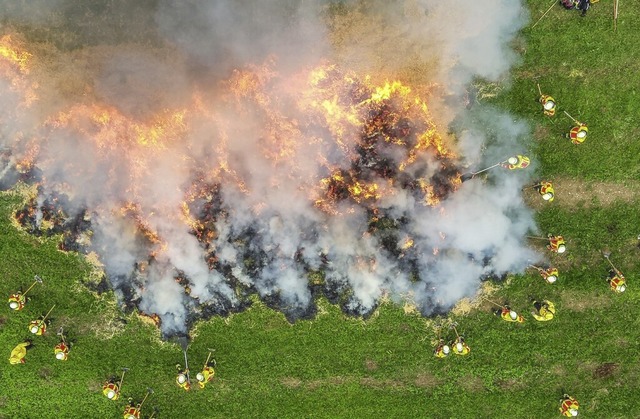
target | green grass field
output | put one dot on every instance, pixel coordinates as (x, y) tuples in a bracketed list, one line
[(340, 367)]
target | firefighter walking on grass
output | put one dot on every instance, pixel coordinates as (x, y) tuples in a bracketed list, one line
[(509, 315), (61, 350), (617, 282), (207, 373), (442, 349), (19, 353), (18, 299), (111, 389), (182, 378), (569, 406), (544, 310)]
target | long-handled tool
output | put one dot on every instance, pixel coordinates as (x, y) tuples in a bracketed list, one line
[(492, 302), (208, 357), (37, 280), (471, 175), (124, 370), (572, 118), (186, 365), (48, 312), (545, 13), (538, 238), (606, 255), (149, 391)]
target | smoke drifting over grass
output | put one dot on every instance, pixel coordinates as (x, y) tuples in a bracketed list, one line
[(185, 131)]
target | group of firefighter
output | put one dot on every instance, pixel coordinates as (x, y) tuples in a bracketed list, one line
[(543, 310), (112, 387)]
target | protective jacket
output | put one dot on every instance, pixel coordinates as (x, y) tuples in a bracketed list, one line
[(61, 351), (205, 375), (19, 353), (550, 274), (17, 301), (440, 351), (546, 191), (521, 163), (556, 244), (37, 327), (548, 105), (578, 133), (111, 389), (567, 405), (617, 282), (545, 310), (505, 314), (131, 412), (460, 347), (182, 381)]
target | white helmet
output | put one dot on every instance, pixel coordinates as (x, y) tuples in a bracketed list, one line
[(445, 349), (13, 305), (512, 160), (622, 288), (200, 377), (459, 347), (549, 104), (513, 314), (551, 279), (111, 394), (574, 412), (34, 329), (60, 355), (561, 248), (182, 378), (131, 417), (582, 134), (547, 196)]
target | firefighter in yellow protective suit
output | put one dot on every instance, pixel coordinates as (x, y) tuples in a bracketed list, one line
[(460, 347), (61, 351), (578, 133), (569, 406), (17, 301), (131, 411), (205, 375), (38, 327), (556, 244), (550, 274), (545, 189), (182, 379), (111, 390), (442, 350), (509, 315), (516, 162), (616, 281), (544, 310), (19, 353), (548, 105)]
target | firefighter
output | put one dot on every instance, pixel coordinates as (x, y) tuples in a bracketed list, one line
[(556, 244), (460, 347), (545, 189), (545, 310), (182, 379), (509, 315), (583, 6), (442, 350), (548, 105), (205, 375), (616, 281), (516, 162), (550, 274), (61, 351), (38, 327), (111, 390), (19, 353), (578, 133), (569, 406), (17, 301), (131, 411)]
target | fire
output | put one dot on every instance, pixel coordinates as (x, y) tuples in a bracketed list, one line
[(363, 141), (10, 51)]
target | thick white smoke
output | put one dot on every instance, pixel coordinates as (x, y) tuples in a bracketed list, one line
[(268, 233)]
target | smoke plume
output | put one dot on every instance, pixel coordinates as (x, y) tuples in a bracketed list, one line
[(207, 147)]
